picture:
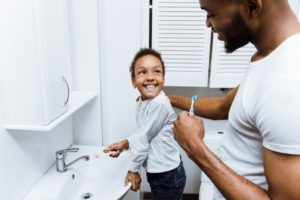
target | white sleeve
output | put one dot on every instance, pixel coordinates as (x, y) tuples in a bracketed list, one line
[(151, 125), (278, 117), (131, 139)]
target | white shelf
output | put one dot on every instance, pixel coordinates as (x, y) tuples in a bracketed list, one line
[(77, 100)]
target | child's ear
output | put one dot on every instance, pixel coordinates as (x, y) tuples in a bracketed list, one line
[(133, 83)]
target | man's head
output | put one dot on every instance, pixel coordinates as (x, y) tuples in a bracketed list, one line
[(265, 23), (230, 19)]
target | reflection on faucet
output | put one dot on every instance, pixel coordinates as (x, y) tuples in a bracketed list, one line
[(61, 165)]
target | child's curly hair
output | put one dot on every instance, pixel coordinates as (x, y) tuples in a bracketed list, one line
[(143, 52)]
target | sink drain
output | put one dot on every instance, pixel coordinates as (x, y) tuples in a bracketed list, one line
[(86, 195)]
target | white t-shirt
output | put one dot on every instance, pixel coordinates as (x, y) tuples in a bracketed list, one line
[(265, 113), (153, 145)]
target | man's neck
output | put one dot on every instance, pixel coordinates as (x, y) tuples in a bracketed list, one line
[(273, 31)]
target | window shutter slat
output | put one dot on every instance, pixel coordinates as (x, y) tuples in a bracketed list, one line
[(227, 70), (180, 35)]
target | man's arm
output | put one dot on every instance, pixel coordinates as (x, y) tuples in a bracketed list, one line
[(210, 107), (283, 175), (282, 171)]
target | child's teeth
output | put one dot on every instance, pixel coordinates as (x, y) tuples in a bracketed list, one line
[(150, 86)]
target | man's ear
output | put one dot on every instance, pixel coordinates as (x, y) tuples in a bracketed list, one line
[(254, 7)]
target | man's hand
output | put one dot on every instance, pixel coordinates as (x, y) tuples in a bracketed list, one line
[(135, 179), (188, 130), (116, 149)]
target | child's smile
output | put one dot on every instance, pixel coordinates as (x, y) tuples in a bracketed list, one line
[(150, 87), (148, 76)]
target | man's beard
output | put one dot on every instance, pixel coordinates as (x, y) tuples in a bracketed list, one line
[(237, 35)]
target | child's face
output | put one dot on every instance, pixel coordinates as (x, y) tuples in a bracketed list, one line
[(148, 76)]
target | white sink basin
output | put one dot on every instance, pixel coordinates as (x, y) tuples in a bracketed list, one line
[(100, 178)]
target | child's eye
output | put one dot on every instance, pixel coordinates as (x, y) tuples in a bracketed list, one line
[(141, 72), (157, 72)]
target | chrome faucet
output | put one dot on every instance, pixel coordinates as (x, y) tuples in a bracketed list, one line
[(61, 165)]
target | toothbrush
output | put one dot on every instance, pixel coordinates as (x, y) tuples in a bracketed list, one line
[(194, 99)]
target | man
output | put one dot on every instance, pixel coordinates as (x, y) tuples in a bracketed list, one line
[(259, 157)]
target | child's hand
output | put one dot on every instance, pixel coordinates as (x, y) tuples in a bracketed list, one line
[(115, 149), (135, 179)]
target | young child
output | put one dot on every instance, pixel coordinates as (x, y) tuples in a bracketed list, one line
[(153, 144)]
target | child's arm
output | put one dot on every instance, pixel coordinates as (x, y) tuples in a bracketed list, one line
[(116, 149), (154, 121)]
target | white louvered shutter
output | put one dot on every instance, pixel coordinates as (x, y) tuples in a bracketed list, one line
[(227, 70), (180, 34)]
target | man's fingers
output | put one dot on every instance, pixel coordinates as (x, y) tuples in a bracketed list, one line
[(175, 133), (191, 114)]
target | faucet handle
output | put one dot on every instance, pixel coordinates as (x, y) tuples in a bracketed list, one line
[(64, 151)]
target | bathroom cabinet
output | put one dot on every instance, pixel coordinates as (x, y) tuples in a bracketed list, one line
[(34, 61)]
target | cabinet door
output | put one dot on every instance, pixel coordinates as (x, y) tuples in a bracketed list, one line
[(34, 60), (227, 70), (53, 53), (180, 34)]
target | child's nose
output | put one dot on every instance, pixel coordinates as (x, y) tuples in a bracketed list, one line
[(150, 76)]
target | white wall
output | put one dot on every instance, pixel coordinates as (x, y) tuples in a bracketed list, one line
[(85, 62), (26, 156), (120, 32)]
